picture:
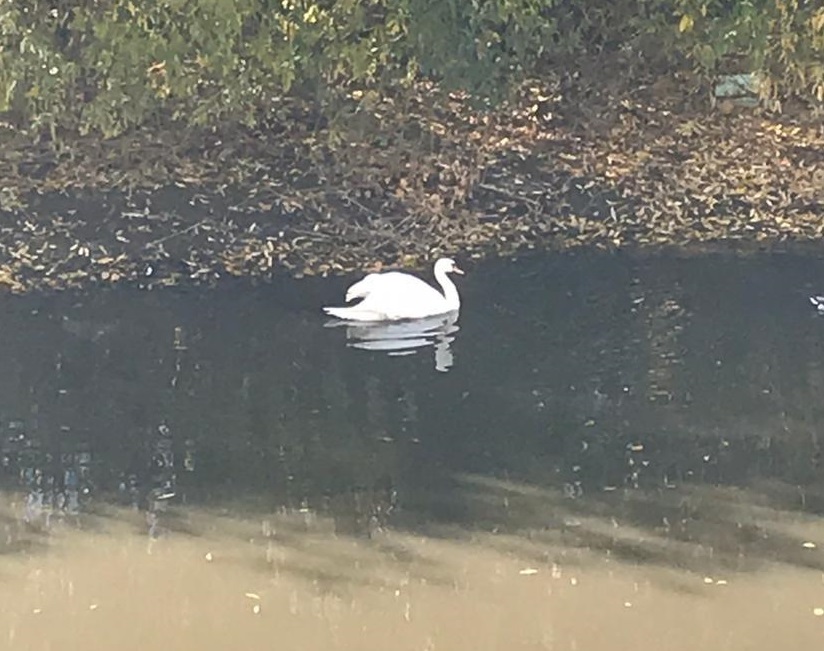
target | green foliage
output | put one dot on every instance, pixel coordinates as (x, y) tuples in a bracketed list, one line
[(110, 65), (781, 39), (478, 44)]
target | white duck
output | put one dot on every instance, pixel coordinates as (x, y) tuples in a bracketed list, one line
[(395, 295), (818, 303)]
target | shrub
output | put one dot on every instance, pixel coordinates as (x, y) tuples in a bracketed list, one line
[(109, 65)]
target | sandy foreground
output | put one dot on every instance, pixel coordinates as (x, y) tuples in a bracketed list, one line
[(226, 583)]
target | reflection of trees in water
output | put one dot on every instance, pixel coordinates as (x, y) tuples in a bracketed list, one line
[(159, 405), (626, 383), (222, 398), (56, 479)]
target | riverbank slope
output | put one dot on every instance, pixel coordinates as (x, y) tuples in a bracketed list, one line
[(399, 179)]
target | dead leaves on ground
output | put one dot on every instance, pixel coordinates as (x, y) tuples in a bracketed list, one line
[(562, 165)]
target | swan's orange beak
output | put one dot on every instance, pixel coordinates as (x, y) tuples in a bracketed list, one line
[(457, 270)]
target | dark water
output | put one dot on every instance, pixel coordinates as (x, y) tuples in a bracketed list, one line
[(618, 385)]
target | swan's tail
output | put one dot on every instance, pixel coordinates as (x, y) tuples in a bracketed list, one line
[(354, 313)]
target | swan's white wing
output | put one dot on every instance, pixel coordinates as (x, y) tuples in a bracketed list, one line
[(362, 287), (355, 313), (402, 296), (378, 282)]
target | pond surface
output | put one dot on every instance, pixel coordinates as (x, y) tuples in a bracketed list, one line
[(602, 452)]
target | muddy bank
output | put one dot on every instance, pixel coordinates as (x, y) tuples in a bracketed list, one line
[(399, 179)]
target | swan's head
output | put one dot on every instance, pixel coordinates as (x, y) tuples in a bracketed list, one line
[(447, 266)]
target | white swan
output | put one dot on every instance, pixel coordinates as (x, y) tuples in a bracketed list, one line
[(395, 295), (818, 303)]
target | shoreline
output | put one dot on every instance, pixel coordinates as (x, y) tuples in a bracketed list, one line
[(630, 170)]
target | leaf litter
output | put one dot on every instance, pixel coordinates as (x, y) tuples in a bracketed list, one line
[(566, 163)]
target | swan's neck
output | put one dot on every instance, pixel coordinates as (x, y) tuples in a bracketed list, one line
[(450, 292)]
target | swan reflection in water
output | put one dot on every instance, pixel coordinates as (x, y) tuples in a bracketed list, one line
[(405, 337)]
